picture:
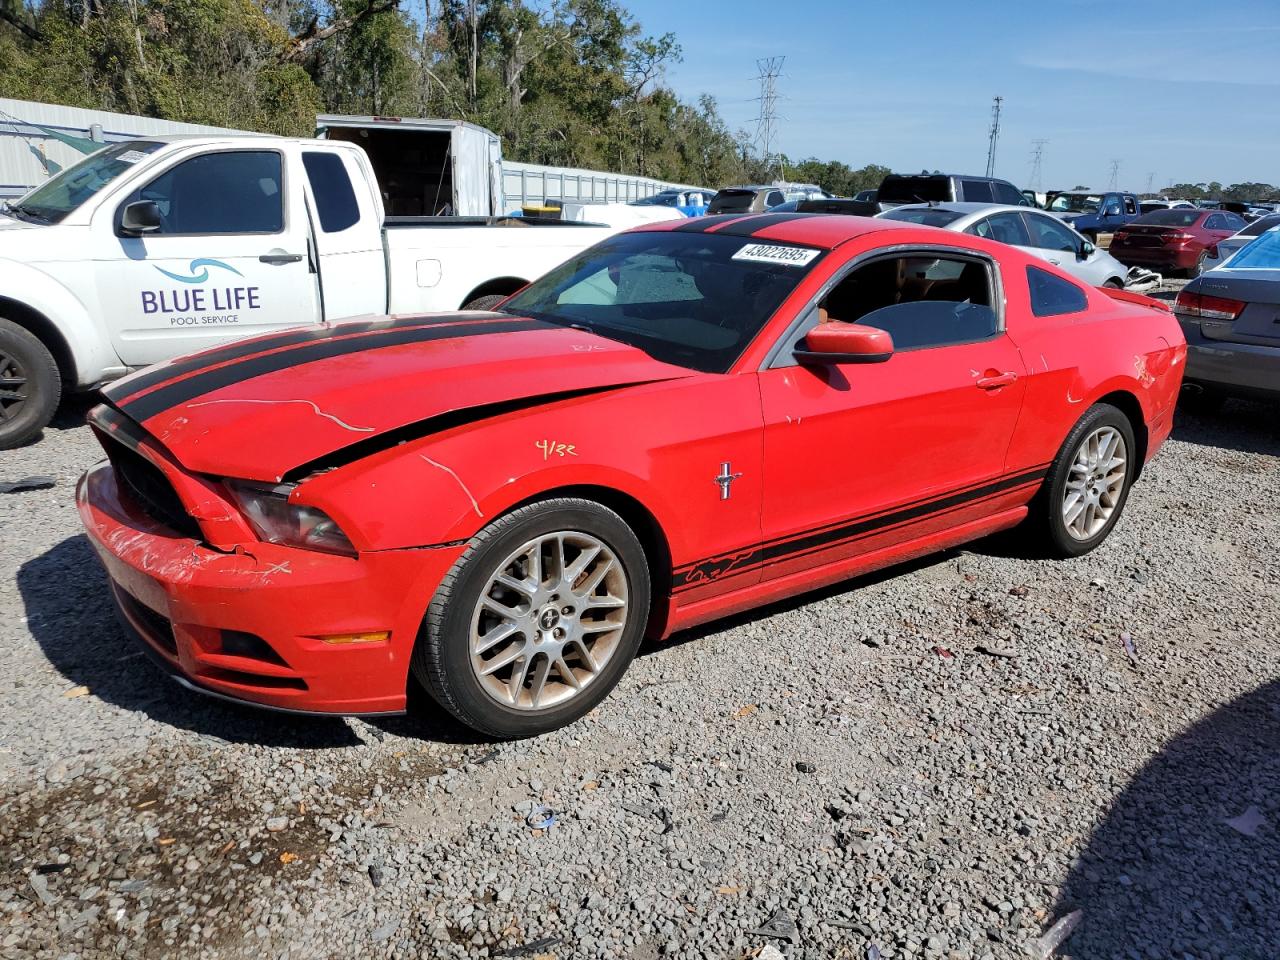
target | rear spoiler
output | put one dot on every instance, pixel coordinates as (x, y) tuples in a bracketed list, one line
[(1138, 299)]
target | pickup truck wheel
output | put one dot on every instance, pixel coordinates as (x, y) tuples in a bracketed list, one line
[(1088, 483), (30, 385), (537, 621), (485, 303)]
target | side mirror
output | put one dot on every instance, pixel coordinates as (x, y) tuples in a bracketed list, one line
[(840, 342), (139, 217), (1087, 250)]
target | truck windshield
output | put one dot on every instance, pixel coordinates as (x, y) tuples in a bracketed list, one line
[(51, 202), (1075, 203), (692, 299)]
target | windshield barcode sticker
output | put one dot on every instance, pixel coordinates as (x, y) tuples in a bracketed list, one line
[(131, 156), (771, 253)]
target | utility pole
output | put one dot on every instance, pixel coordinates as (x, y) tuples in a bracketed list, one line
[(1037, 159), (1115, 174), (767, 122), (995, 136)]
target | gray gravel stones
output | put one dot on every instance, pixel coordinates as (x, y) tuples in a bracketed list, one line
[(949, 808)]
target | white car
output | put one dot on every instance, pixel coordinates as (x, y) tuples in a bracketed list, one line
[(1034, 231), (1224, 250)]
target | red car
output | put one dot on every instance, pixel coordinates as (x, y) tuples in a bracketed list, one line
[(1177, 239), (682, 422)]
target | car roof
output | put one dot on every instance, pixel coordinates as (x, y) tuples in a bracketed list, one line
[(970, 207), (824, 230)]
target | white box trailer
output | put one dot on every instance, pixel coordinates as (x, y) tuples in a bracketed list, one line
[(427, 167)]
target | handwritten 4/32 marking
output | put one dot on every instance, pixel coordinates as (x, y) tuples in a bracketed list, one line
[(552, 448)]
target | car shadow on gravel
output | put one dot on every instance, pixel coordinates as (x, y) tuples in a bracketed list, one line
[(1184, 863), (64, 592), (1242, 425)]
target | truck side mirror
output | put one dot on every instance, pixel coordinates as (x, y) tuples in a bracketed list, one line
[(139, 217)]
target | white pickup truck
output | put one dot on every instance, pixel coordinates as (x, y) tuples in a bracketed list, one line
[(150, 249)]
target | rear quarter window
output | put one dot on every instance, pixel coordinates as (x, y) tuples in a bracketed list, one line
[(1052, 296)]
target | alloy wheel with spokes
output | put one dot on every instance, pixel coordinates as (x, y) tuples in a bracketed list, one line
[(1095, 482), (537, 620), (549, 620)]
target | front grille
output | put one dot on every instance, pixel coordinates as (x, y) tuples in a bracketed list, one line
[(149, 488), (159, 627)]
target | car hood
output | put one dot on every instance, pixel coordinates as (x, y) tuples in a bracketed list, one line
[(263, 408)]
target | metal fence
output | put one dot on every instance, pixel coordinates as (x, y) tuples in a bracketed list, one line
[(531, 183)]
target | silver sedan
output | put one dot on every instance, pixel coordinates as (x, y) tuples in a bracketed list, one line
[(1033, 231)]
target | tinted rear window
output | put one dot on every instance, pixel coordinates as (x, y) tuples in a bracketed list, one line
[(1171, 218), (927, 216), (1261, 226), (914, 189), (732, 201), (1052, 296)]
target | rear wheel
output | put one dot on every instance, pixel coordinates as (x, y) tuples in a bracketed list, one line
[(30, 385), (485, 303), (538, 619), (1088, 483), (1115, 283)]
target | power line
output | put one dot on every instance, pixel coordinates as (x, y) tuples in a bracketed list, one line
[(1115, 174), (767, 123), (994, 137), (1037, 160)]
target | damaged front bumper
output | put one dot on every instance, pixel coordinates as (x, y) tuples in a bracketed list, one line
[(265, 624)]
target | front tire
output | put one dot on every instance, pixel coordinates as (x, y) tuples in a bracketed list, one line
[(537, 621), (30, 385), (1088, 483)]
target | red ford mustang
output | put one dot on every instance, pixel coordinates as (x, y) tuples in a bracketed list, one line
[(682, 422)]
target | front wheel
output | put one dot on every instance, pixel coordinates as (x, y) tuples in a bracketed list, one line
[(537, 621), (1088, 483), (30, 386)]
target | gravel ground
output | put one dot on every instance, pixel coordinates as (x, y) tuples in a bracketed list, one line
[(842, 772)]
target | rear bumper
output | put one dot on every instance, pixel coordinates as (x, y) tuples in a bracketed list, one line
[(1241, 368), (250, 625), (1170, 258)]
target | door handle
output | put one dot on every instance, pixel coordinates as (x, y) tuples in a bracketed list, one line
[(1056, 263), (996, 381), (280, 257)]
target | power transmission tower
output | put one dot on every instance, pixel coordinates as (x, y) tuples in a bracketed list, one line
[(995, 136), (767, 122), (1115, 174), (1151, 180), (1037, 159)]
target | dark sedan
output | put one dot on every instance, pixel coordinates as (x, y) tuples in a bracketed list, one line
[(1176, 239), (1231, 319)]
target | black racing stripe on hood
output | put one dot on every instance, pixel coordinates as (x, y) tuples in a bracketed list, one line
[(182, 391), (440, 423), (247, 348), (709, 222)]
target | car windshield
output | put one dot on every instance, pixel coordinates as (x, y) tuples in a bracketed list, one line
[(668, 198), (1261, 254), (1260, 226), (1171, 218), (928, 216), (51, 202), (1076, 203), (692, 299)]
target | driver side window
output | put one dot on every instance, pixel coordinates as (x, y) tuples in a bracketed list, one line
[(922, 301), (1048, 234), (219, 193)]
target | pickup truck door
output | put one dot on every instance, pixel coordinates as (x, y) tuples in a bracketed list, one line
[(347, 231), (230, 258)]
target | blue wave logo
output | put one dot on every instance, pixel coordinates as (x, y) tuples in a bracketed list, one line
[(202, 265)]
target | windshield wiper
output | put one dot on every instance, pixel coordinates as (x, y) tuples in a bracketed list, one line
[(18, 210)]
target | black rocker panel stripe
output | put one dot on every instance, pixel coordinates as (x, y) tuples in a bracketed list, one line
[(247, 348), (199, 384), (804, 543)]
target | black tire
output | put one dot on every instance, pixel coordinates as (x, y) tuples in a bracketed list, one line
[(30, 385), (442, 657), (1046, 517), (1115, 283), (486, 303)]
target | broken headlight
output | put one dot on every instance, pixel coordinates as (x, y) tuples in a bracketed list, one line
[(276, 520)]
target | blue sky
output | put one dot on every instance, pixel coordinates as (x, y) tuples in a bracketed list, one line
[(1187, 91)]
